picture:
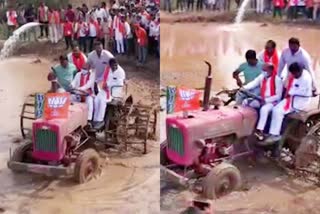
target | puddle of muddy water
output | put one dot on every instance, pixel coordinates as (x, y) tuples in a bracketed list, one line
[(182, 54)]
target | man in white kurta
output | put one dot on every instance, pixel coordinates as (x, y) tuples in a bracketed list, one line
[(294, 53), (298, 98), (84, 81), (114, 75), (99, 60), (271, 88)]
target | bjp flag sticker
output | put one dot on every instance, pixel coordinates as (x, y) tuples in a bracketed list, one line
[(187, 100), (56, 106)]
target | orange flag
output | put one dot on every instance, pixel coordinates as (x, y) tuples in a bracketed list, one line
[(56, 106), (187, 99)]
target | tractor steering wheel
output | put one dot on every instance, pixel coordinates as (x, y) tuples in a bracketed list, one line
[(230, 93), (79, 92), (249, 94)]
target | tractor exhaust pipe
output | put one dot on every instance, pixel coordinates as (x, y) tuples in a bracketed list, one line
[(207, 88)]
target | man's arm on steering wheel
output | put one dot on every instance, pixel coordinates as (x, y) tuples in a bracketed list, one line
[(235, 76), (254, 83)]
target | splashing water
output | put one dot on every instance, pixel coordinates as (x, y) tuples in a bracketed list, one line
[(10, 43), (241, 12)]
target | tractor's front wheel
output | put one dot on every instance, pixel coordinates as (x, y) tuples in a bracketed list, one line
[(87, 166), (20, 154), (164, 160), (221, 180)]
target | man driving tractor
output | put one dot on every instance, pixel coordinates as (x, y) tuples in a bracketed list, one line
[(113, 76), (84, 81), (271, 88)]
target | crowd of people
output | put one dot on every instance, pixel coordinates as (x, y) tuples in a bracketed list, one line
[(126, 28), (283, 82), (292, 9)]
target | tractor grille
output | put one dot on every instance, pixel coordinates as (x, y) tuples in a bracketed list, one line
[(176, 140), (46, 141)]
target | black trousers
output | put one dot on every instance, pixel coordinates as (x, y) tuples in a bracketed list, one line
[(44, 28), (83, 44), (68, 40), (91, 42)]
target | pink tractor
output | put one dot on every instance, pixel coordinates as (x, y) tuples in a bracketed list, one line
[(201, 145), (60, 147)]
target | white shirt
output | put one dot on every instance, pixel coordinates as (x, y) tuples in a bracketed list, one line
[(90, 84), (70, 58), (268, 98), (14, 14), (99, 64), (92, 30), (101, 13), (128, 30), (301, 56), (116, 78), (83, 29), (301, 87), (153, 29)]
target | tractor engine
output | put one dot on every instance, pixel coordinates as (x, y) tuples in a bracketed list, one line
[(52, 137), (214, 149)]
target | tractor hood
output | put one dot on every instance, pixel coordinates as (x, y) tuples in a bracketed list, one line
[(182, 132), (214, 123)]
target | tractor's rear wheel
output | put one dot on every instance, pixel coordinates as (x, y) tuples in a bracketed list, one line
[(87, 166), (221, 180)]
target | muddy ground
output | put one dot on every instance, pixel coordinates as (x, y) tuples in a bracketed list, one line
[(129, 182), (192, 38)]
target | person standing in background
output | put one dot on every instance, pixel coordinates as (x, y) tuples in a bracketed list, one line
[(11, 21), (142, 40), (68, 33), (82, 31), (128, 38), (54, 23), (260, 6), (30, 16), (278, 6), (293, 10), (70, 14), (77, 58), (100, 33), (93, 32), (43, 13), (21, 20), (316, 6), (309, 8)]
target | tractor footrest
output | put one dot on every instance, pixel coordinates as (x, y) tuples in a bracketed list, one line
[(40, 169)]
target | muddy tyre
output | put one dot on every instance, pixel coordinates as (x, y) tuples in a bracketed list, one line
[(20, 152), (164, 160), (221, 180), (87, 166)]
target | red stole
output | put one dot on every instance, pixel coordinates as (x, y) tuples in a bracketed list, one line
[(274, 59), (83, 80), (288, 97), (272, 86), (13, 18), (105, 79), (122, 28), (78, 62)]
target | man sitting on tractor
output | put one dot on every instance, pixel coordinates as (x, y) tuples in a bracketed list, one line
[(64, 72), (298, 96), (114, 76), (271, 88), (251, 70), (84, 81), (77, 58)]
